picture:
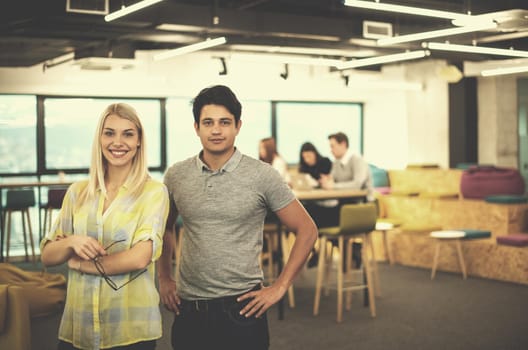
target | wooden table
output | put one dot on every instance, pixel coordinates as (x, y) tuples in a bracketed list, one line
[(21, 185), (320, 194)]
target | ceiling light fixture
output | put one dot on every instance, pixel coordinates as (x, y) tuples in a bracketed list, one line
[(286, 72), (436, 33), (504, 70), (410, 55), (476, 49), (129, 9), (406, 9), (190, 48)]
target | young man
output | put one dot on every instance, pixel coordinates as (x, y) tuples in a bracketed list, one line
[(223, 197), (349, 170)]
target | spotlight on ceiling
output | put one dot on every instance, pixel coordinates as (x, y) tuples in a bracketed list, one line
[(224, 66), (286, 72)]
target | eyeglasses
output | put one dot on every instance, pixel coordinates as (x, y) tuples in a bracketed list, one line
[(108, 280)]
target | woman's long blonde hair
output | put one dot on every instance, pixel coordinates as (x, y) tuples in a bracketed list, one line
[(138, 174)]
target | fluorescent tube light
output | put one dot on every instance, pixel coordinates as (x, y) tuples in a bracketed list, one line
[(406, 9), (436, 33), (477, 49), (411, 55), (129, 9), (502, 71), (190, 48)]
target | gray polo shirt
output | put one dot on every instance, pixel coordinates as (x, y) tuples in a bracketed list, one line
[(223, 216)]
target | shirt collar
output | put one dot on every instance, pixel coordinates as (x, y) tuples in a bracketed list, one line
[(229, 166), (344, 159)]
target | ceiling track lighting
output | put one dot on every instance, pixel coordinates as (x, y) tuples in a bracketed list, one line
[(437, 33), (476, 49), (410, 55), (346, 78), (224, 66), (129, 9), (410, 10), (286, 72), (191, 48)]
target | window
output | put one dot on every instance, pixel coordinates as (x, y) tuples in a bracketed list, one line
[(300, 122), (70, 124), (18, 134)]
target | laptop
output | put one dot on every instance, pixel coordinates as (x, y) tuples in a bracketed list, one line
[(302, 182)]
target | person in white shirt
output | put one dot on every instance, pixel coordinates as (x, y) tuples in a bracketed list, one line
[(349, 170)]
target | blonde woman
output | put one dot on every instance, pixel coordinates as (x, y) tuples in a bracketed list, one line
[(110, 231), (268, 153)]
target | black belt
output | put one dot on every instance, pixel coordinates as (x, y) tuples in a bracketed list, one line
[(216, 304)]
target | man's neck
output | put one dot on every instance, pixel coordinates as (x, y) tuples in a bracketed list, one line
[(215, 161)]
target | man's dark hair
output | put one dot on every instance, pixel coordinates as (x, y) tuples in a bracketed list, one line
[(217, 95), (339, 137)]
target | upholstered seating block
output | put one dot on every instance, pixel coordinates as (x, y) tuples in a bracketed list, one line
[(507, 199), (439, 194), (420, 227), (417, 180), (514, 239)]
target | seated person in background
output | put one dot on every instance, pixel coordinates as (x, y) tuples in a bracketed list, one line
[(349, 170), (268, 153), (313, 163)]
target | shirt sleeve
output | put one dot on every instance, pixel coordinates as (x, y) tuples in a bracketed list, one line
[(151, 226)]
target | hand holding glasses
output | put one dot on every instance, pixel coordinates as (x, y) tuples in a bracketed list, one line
[(108, 280)]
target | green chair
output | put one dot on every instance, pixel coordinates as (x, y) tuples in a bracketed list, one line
[(356, 222)]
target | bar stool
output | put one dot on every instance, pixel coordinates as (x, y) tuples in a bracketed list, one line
[(55, 198), (19, 201), (270, 235), (356, 221)]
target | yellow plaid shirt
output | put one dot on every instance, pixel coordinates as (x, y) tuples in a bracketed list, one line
[(96, 316)]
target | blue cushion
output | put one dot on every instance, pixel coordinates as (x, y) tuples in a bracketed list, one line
[(475, 234), (507, 199), (380, 177)]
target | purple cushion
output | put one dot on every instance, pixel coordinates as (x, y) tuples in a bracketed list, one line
[(515, 239), (482, 181), (383, 190)]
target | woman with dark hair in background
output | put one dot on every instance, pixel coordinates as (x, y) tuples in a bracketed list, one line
[(313, 163)]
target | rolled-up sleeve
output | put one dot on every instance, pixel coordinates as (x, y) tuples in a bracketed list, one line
[(154, 212)]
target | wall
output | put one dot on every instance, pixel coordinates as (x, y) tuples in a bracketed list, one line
[(405, 105), (498, 120)]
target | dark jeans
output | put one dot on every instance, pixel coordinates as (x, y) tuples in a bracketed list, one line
[(217, 324), (144, 345)]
